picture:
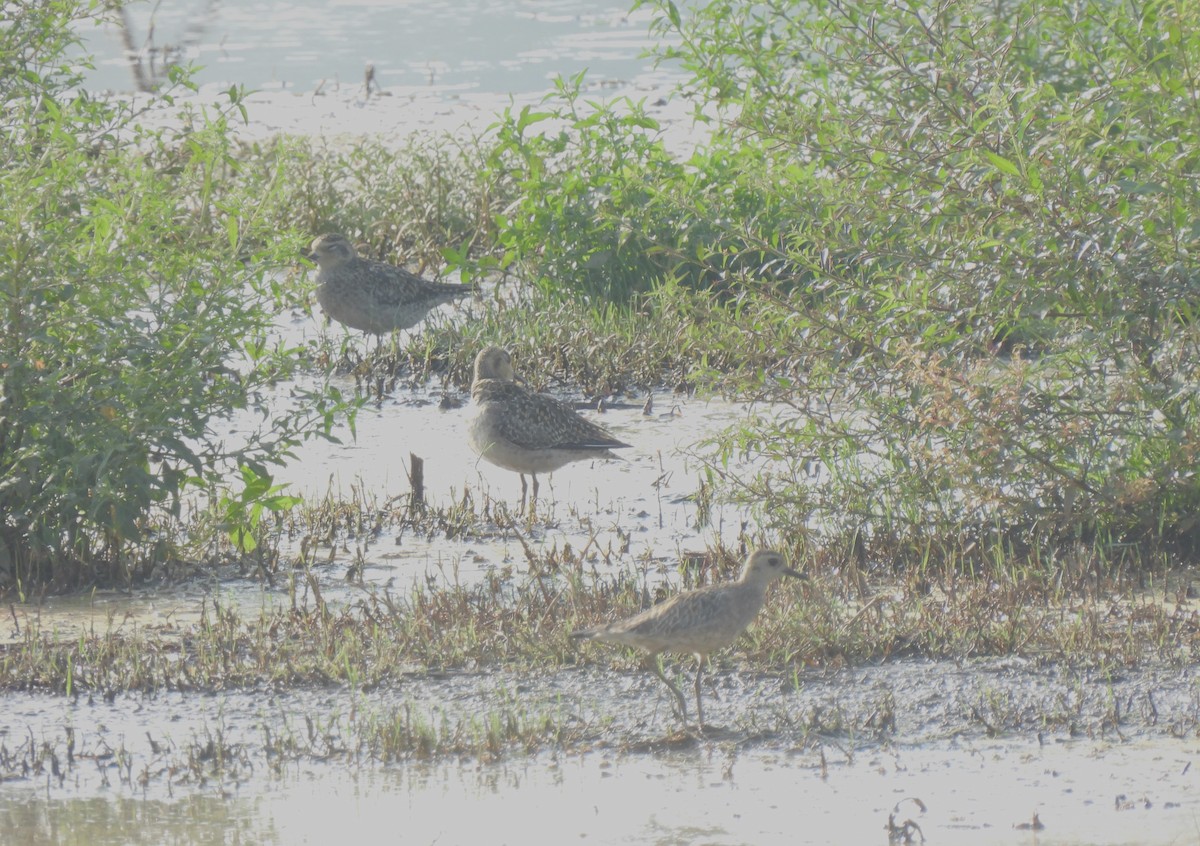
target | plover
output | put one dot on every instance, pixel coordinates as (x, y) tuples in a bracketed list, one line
[(526, 432), (370, 295), (698, 621)]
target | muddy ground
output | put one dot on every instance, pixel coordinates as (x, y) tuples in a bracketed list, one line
[(967, 752)]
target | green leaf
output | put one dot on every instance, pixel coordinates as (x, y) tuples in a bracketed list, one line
[(527, 118), (1002, 164), (673, 14)]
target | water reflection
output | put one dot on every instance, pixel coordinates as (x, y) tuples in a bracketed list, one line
[(971, 795), (195, 819), (150, 63)]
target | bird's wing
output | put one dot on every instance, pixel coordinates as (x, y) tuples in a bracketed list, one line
[(538, 421), (694, 606), (395, 286)]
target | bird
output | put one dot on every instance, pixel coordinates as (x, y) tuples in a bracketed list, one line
[(524, 431), (698, 621), (372, 296)]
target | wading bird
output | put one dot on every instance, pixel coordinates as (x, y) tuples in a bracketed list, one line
[(526, 432), (698, 621), (370, 295)]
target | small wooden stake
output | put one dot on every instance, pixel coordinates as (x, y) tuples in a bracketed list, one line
[(416, 479)]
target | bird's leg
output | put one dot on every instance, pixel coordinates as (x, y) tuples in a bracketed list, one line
[(530, 512), (712, 685), (699, 707), (655, 664), (524, 490)]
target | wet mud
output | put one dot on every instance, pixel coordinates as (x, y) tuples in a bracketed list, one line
[(1000, 751)]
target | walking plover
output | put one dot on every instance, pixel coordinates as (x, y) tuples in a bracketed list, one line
[(698, 621)]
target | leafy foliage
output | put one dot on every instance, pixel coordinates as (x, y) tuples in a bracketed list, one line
[(996, 207), (604, 208), (135, 299)]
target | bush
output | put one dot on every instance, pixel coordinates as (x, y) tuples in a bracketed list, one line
[(605, 210), (135, 299), (996, 205)]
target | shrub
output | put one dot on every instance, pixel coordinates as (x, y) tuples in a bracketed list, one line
[(605, 210), (135, 299), (996, 207)]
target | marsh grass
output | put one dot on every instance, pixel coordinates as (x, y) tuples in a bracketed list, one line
[(416, 203), (1049, 610), (1081, 609), (513, 621), (661, 331), (367, 641), (676, 338), (506, 728)]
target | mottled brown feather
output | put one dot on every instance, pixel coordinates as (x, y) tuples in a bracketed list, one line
[(370, 295), (526, 432), (538, 421)]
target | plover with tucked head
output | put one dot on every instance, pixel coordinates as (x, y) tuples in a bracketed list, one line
[(526, 432), (370, 295), (698, 621)]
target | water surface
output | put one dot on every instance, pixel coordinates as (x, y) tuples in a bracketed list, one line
[(477, 46), (963, 789)]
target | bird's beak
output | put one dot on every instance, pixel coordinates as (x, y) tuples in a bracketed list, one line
[(796, 574)]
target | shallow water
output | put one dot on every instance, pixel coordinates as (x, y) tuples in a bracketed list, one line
[(644, 503), (646, 496), (470, 46), (946, 776), (694, 797), (762, 798)]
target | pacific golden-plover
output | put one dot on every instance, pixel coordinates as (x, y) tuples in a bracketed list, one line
[(370, 295), (698, 621), (527, 432)]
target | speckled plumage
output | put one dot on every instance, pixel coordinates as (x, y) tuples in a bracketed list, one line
[(372, 296), (527, 432), (698, 621)]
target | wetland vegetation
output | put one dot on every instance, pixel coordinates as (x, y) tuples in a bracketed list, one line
[(951, 245)]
